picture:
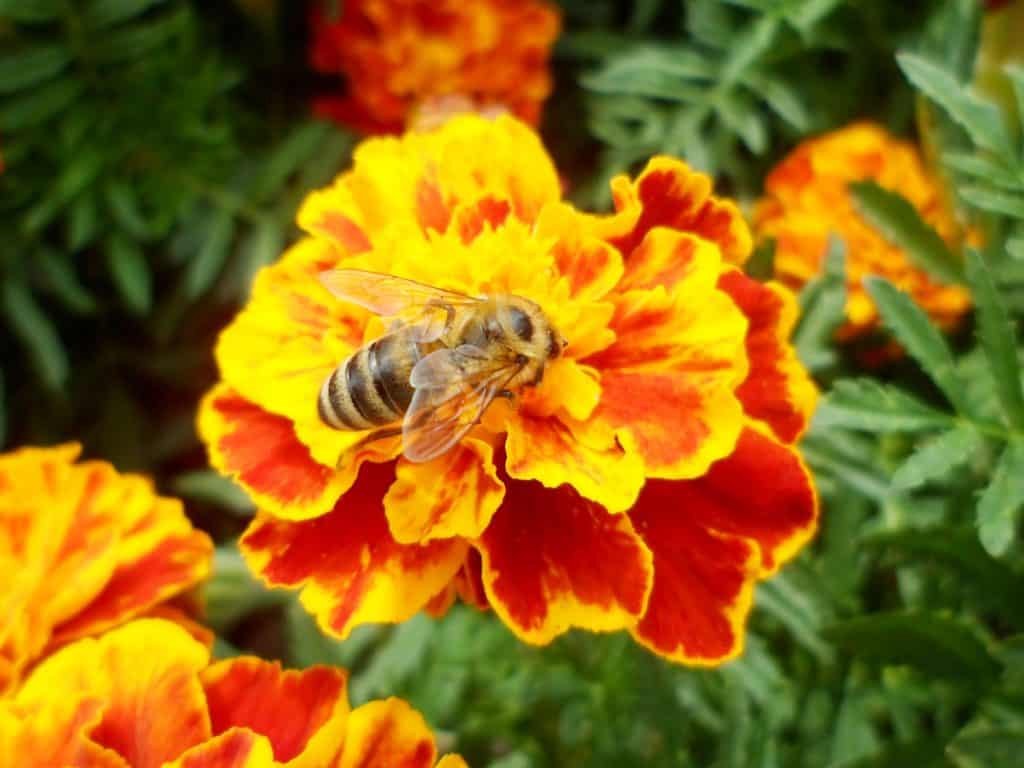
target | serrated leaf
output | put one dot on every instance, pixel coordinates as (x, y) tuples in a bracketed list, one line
[(210, 486), (935, 644), (206, 265), (899, 222), (232, 592), (994, 201), (38, 105), (287, 158), (980, 119), (823, 303), (869, 405), (104, 13), (1000, 504), (83, 222), (58, 276), (912, 328), (937, 457), (997, 339), (35, 331), (782, 99), (983, 168), (123, 204), (988, 747), (31, 66), (136, 40), (30, 11), (130, 273), (78, 174)]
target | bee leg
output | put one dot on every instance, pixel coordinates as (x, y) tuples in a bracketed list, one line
[(378, 434)]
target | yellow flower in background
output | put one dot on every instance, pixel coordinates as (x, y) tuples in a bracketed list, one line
[(147, 695), (82, 549), (645, 484), (406, 59), (806, 200)]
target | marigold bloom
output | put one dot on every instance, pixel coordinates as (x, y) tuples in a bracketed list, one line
[(398, 56), (646, 484), (806, 200), (82, 549), (146, 695)]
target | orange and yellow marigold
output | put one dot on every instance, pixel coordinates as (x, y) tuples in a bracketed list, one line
[(401, 57), (806, 199), (146, 695), (82, 549), (646, 484)]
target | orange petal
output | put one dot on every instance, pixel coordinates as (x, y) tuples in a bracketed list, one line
[(259, 449), (559, 450), (469, 582), (472, 219), (453, 495), (778, 389), (387, 734), (143, 672), (305, 725), (351, 569), (591, 266), (670, 194), (552, 560), (236, 748), (676, 427), (54, 733), (666, 257), (762, 491), (703, 580)]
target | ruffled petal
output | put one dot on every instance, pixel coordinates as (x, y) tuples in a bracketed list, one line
[(454, 495), (590, 265), (670, 194), (703, 580), (350, 568), (305, 725), (666, 257), (137, 668), (259, 449), (762, 492), (559, 450), (387, 734), (236, 748), (778, 389), (55, 733), (552, 560)]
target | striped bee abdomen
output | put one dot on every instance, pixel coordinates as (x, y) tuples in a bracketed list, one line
[(371, 388)]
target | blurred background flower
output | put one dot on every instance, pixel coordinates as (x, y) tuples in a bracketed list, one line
[(83, 549)]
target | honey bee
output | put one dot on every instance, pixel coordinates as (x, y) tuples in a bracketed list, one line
[(444, 361)]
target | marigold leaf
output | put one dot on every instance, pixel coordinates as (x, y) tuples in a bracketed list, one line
[(83, 222), (207, 264), (31, 66), (123, 204), (38, 104), (911, 327), (29, 12), (104, 13), (980, 119), (36, 332), (1000, 504), (898, 221), (872, 406), (139, 39), (937, 457), (209, 486), (936, 645), (997, 338), (823, 302), (287, 158), (994, 201), (58, 276), (988, 747), (130, 273), (233, 592), (983, 168)]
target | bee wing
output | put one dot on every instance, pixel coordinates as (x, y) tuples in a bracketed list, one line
[(453, 388)]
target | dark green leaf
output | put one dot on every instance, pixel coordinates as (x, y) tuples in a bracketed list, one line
[(30, 10), (31, 66), (761, 264), (232, 592), (104, 13), (210, 486), (38, 105), (911, 327), (141, 38), (923, 753), (997, 339), (936, 458), (206, 265), (823, 301), (83, 222), (875, 407), (1000, 504), (130, 273), (980, 119), (35, 331), (287, 158), (57, 275), (81, 171), (988, 747), (899, 222), (994, 201), (123, 204), (934, 644)]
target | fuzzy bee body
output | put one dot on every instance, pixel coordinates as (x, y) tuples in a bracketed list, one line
[(436, 373)]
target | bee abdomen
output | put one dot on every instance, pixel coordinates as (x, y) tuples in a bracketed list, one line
[(371, 388)]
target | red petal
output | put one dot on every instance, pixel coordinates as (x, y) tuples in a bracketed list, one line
[(471, 220), (703, 581), (306, 704), (778, 390), (552, 560), (431, 211), (352, 570)]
